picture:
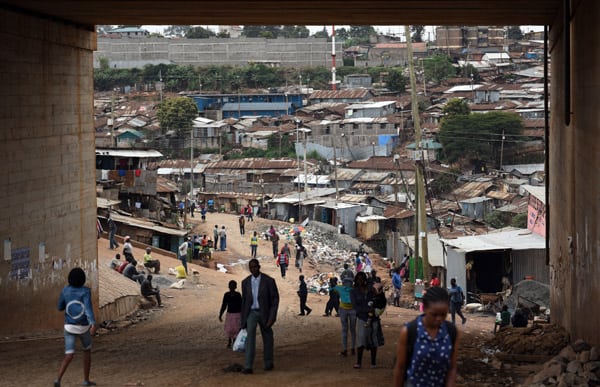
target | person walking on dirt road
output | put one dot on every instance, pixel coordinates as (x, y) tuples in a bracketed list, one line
[(76, 301), (260, 302)]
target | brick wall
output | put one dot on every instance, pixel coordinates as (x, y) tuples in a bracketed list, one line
[(47, 186)]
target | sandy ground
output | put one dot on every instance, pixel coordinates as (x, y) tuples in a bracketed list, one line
[(183, 343)]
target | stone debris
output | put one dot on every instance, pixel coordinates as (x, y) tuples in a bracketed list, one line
[(577, 364), (542, 339), (529, 291)]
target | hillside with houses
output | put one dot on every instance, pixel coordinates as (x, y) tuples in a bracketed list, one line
[(347, 157)]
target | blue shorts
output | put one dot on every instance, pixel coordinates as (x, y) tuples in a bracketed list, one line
[(85, 338)]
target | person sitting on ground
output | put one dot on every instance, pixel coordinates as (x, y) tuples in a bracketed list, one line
[(115, 263), (502, 319), (122, 267), (151, 263), (148, 290), (128, 250), (132, 273), (519, 319)]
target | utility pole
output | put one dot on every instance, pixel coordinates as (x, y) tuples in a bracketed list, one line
[(192, 162), (421, 230), (335, 169), (502, 149)]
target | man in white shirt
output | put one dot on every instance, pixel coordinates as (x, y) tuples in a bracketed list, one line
[(182, 251)]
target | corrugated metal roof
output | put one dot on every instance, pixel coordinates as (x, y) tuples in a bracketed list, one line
[(253, 163), (519, 239), (350, 198), (106, 203), (339, 205), (537, 191), (395, 212), (479, 199), (501, 195), (382, 163), (365, 186), (164, 185), (137, 222), (373, 176), (255, 106), (345, 174), (341, 94), (472, 189), (128, 153), (365, 219), (524, 169)]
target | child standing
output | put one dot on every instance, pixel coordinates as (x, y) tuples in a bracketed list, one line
[(303, 294), (253, 244), (232, 301)]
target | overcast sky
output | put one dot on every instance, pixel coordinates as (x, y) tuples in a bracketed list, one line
[(392, 30)]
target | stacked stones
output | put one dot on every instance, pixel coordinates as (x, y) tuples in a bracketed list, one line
[(577, 364)]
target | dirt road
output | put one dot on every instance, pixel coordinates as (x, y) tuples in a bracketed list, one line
[(183, 344)]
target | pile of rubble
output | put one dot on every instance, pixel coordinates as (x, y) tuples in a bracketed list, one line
[(576, 365), (540, 339)]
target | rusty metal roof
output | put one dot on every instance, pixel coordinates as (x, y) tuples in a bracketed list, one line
[(382, 163), (341, 94), (507, 196), (373, 176), (164, 185), (252, 163), (345, 174), (350, 198), (395, 212), (472, 189)]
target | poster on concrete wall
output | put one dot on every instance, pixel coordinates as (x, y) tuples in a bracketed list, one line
[(19, 264)]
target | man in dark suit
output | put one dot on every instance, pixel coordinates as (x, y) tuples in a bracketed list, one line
[(260, 301)]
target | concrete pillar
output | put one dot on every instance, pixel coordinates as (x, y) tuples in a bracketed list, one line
[(47, 182), (575, 177)]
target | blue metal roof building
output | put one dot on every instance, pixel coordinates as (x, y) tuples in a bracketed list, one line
[(238, 105)]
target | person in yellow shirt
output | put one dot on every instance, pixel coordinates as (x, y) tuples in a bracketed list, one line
[(253, 244)]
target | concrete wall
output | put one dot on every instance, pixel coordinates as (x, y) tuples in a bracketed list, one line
[(47, 185), (128, 53), (574, 206)]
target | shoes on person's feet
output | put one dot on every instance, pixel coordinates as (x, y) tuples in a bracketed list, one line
[(57, 383), (300, 314), (353, 352), (357, 366), (247, 371), (307, 313), (269, 368), (344, 353), (88, 383), (373, 366), (325, 315)]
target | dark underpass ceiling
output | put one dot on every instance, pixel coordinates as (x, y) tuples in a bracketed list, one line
[(278, 12)]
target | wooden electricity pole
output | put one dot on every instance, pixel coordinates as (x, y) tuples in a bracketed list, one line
[(420, 216)]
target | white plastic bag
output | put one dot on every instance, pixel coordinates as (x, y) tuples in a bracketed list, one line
[(239, 345)]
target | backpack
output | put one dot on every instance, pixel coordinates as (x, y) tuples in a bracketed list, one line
[(411, 330)]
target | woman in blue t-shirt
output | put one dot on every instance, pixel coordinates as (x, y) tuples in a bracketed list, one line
[(431, 361)]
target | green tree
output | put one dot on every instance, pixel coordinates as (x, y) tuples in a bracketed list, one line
[(519, 221), (444, 183), (456, 107), (177, 114), (496, 219), (479, 136), (295, 32), (417, 33), (322, 34), (176, 30), (514, 33), (270, 32), (199, 33), (438, 68), (396, 81)]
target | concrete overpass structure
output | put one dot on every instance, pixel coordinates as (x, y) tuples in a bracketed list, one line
[(47, 182)]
